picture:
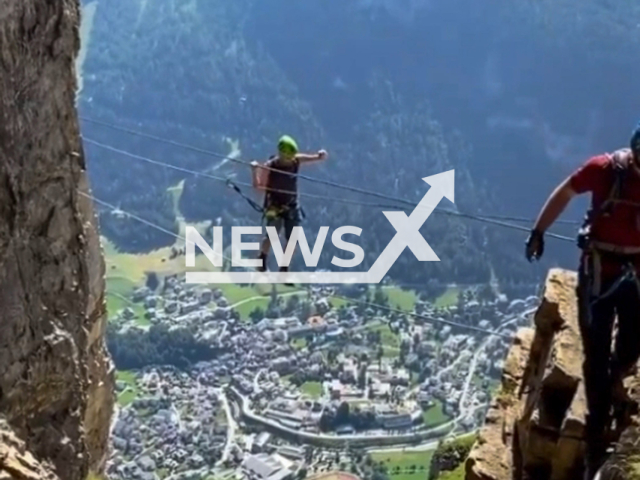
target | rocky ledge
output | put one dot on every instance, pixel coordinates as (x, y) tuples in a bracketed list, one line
[(16, 462), (534, 428)]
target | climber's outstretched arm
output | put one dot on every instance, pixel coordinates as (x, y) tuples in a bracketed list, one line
[(312, 157), (554, 206), (552, 209)]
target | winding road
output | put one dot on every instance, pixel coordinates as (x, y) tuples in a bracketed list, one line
[(256, 383), (474, 361), (232, 427), (258, 297), (177, 416), (284, 295)]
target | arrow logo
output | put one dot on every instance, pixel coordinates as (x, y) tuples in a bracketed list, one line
[(408, 228)]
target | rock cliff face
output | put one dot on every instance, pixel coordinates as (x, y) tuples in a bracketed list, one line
[(56, 379), (534, 428), (16, 462)]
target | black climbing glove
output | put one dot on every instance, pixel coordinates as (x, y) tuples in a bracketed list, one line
[(535, 245)]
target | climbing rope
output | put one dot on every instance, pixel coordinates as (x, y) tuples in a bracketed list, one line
[(150, 224), (323, 197), (301, 176)]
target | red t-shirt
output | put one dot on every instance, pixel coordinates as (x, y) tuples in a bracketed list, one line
[(622, 226)]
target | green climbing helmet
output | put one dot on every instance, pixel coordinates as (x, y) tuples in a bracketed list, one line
[(287, 145)]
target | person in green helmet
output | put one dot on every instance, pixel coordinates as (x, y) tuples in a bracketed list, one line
[(281, 208)]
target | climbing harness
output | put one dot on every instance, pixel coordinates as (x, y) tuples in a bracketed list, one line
[(588, 296), (594, 249), (629, 274), (589, 290), (620, 161), (275, 211), (268, 212), (590, 282)]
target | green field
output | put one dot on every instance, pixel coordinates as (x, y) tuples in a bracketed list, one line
[(119, 290), (115, 304), (338, 302), (237, 293), (396, 296), (457, 474), (448, 298), (134, 267), (245, 309), (390, 352), (225, 475), (387, 337), (256, 296), (120, 286), (162, 473), (126, 271), (434, 416), (313, 389), (401, 299), (126, 397), (399, 464), (299, 343), (221, 416), (131, 392), (462, 444)]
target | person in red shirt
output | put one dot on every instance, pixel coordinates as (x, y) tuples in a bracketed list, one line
[(607, 283)]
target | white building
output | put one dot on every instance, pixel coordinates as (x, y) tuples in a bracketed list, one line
[(265, 467)]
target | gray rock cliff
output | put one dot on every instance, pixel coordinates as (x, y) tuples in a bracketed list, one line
[(56, 378)]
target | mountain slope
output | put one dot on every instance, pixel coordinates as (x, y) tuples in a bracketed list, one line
[(200, 80), (394, 90)]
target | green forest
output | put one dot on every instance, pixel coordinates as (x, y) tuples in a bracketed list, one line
[(393, 95)]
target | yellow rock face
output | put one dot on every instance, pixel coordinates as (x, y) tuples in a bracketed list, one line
[(535, 426)]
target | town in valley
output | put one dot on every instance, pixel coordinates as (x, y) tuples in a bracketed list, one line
[(307, 382)]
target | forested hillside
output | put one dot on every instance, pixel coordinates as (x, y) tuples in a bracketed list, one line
[(511, 95)]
